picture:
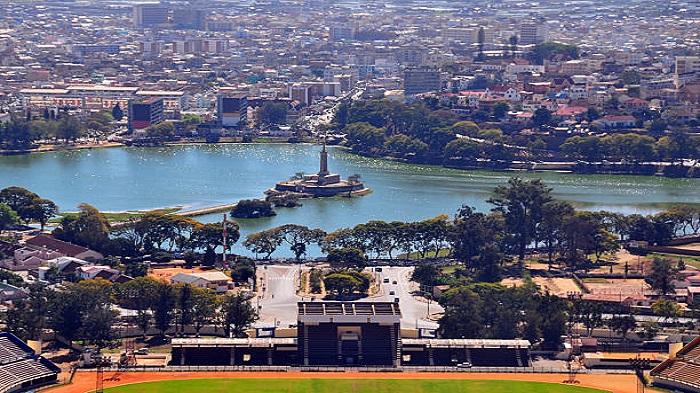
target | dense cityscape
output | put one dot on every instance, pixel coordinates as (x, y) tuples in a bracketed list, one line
[(527, 280)]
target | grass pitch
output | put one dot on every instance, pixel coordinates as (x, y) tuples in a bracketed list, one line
[(346, 386)]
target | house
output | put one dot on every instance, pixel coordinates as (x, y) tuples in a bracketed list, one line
[(217, 281), (636, 104), (97, 271), (612, 121), (50, 243), (10, 293), (67, 266), (570, 113), (507, 92)]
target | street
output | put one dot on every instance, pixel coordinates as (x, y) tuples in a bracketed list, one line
[(277, 299)]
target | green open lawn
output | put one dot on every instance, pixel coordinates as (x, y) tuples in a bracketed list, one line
[(346, 386)]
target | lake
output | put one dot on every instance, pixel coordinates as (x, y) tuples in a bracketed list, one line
[(193, 176)]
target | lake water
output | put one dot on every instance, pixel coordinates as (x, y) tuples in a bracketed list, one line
[(118, 179)]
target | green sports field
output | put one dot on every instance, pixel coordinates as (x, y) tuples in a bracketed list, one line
[(346, 386)]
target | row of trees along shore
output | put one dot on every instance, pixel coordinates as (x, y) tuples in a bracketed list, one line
[(484, 245), (427, 131), (524, 215)]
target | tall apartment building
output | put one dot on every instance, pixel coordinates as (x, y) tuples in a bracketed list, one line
[(150, 15), (687, 64), (232, 109), (189, 18), (421, 80), (306, 92), (533, 33), (343, 31), (145, 113)]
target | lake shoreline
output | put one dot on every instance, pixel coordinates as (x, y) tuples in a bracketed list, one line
[(663, 169)]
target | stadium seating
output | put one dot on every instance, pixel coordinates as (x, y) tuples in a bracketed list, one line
[(20, 368), (681, 373)]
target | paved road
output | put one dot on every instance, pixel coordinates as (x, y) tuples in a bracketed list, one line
[(414, 310), (277, 299)]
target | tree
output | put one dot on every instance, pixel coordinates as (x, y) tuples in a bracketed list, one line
[(272, 113), (163, 307), (298, 237), (622, 324), (521, 204), (252, 208), (590, 313), (184, 300), (117, 112), (663, 273), (237, 314), (41, 210), (552, 228), (500, 109), (425, 274), (70, 127), (203, 308), (89, 228), (346, 258), (265, 242), (17, 197), (667, 309), (84, 311), (8, 216), (542, 116), (513, 41), (139, 294), (463, 316), (28, 318), (210, 235), (347, 282)]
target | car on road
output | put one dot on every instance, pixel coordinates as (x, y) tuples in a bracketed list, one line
[(394, 282), (465, 365), (386, 281), (392, 293), (142, 351)]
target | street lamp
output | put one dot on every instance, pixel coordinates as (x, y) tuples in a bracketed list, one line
[(639, 364)]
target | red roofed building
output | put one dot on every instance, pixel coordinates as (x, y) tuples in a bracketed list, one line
[(46, 242), (570, 113)]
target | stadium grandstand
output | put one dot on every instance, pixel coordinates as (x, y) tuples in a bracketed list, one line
[(349, 334), (20, 368), (681, 372)]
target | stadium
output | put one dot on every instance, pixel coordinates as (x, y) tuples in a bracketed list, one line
[(349, 334)]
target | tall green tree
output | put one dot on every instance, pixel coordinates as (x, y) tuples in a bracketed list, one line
[(299, 237), (89, 228), (521, 203), (663, 273), (238, 314), (346, 258), (17, 197), (8, 216), (163, 307)]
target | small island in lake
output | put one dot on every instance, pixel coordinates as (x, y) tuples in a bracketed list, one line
[(321, 184)]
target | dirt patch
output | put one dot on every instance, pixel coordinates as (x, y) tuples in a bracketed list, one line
[(620, 287), (555, 286)]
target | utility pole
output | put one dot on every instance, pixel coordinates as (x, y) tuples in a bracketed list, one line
[(223, 258)]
